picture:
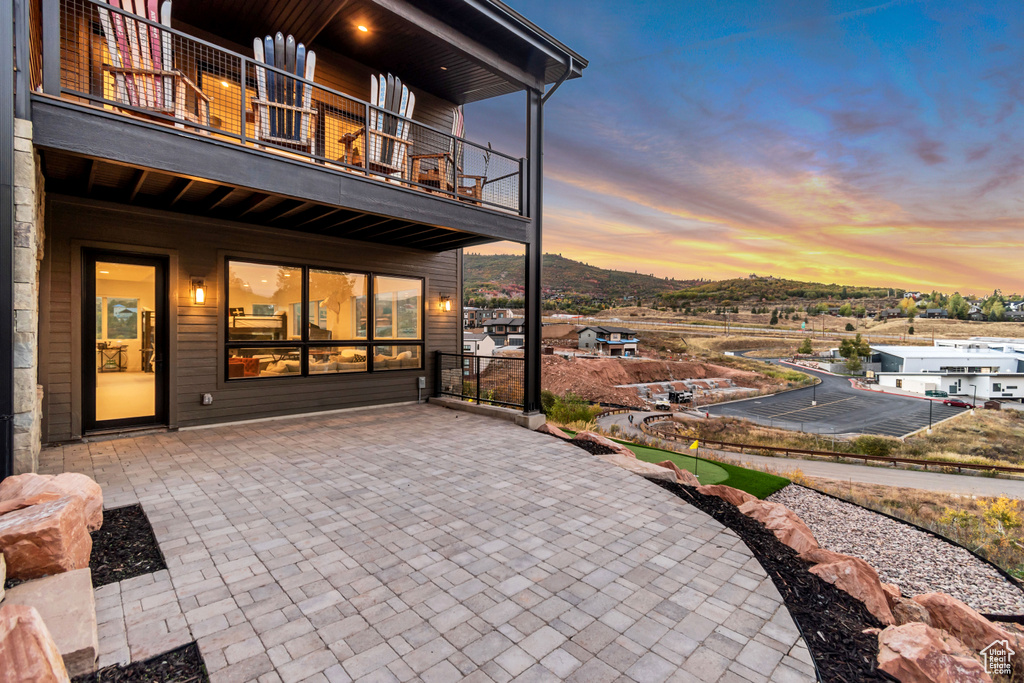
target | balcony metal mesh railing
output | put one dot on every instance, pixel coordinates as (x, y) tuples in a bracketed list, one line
[(492, 380), (139, 67)]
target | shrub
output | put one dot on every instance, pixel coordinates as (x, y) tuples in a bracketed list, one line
[(849, 327), (910, 330), (547, 401), (805, 347), (572, 408), (873, 445)]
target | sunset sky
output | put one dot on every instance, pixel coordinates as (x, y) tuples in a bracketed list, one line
[(855, 142)]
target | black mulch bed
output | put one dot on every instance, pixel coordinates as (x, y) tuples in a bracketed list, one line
[(830, 620), (124, 547), (181, 665), (591, 447)]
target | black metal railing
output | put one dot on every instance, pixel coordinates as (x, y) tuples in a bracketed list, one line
[(489, 380), (138, 66)]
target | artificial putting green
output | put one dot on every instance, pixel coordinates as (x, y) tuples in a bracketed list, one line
[(760, 484)]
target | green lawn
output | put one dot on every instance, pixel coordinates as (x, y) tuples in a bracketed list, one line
[(760, 484)]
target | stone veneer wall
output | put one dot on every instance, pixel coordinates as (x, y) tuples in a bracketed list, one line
[(28, 252)]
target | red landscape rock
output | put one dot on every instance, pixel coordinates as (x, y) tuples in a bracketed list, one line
[(28, 501), (892, 591), (964, 622), (547, 428), (917, 653), (727, 493), (608, 443), (67, 484), (906, 611), (45, 539), (854, 576), (783, 522), (27, 652), (682, 476)]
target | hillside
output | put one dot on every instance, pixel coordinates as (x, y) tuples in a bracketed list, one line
[(562, 277), (770, 289)]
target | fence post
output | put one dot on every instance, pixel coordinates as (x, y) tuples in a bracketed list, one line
[(366, 141), (51, 47), (477, 358), (241, 113), (438, 358)]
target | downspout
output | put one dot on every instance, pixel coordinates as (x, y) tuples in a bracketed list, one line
[(6, 242), (560, 81)]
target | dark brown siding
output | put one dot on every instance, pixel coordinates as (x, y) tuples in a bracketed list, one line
[(198, 247)]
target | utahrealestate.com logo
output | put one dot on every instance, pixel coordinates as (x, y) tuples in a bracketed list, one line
[(998, 658)]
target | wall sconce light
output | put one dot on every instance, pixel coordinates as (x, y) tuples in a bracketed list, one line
[(198, 291), (444, 303)]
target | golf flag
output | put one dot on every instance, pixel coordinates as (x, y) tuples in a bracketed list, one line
[(693, 445)]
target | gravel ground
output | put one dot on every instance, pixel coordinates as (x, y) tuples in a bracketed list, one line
[(915, 561)]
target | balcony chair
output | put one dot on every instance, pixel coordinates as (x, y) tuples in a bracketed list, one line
[(142, 64), (388, 140), (281, 112), (442, 173)]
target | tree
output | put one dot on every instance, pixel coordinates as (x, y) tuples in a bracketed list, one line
[(910, 330), (846, 310), (774, 320), (958, 307), (849, 327), (860, 311), (997, 311), (911, 312), (805, 347), (854, 365)]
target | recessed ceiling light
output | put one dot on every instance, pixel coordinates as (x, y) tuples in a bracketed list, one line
[(362, 28), (225, 84), (444, 68), (262, 280), (105, 272)]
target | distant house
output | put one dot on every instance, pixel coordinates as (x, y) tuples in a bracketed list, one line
[(473, 317), (888, 313), (610, 341), (935, 313), (477, 345), (912, 295), (506, 331)]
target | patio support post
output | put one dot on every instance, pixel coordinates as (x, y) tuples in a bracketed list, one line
[(51, 46), (6, 245), (534, 249)]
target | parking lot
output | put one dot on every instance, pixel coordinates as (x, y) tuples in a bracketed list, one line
[(840, 409)]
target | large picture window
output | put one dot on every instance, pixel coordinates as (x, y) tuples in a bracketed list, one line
[(301, 321)]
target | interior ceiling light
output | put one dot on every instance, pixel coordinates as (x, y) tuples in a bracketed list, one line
[(105, 272), (444, 68), (225, 84), (363, 28)]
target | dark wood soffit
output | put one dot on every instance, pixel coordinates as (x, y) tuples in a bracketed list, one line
[(92, 134)]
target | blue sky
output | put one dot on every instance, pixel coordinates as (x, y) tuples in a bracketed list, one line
[(855, 142)]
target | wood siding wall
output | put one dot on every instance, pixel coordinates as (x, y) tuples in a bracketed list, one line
[(197, 248)]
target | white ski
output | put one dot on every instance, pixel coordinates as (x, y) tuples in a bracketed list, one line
[(308, 94), (261, 88)]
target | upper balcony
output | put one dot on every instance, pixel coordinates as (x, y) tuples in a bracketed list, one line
[(181, 111)]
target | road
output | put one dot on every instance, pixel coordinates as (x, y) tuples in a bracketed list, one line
[(885, 476), (840, 409)]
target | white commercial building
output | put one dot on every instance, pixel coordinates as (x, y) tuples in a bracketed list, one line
[(981, 369)]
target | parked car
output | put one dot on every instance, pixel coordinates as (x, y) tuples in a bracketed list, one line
[(936, 392), (957, 403), (662, 405)]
